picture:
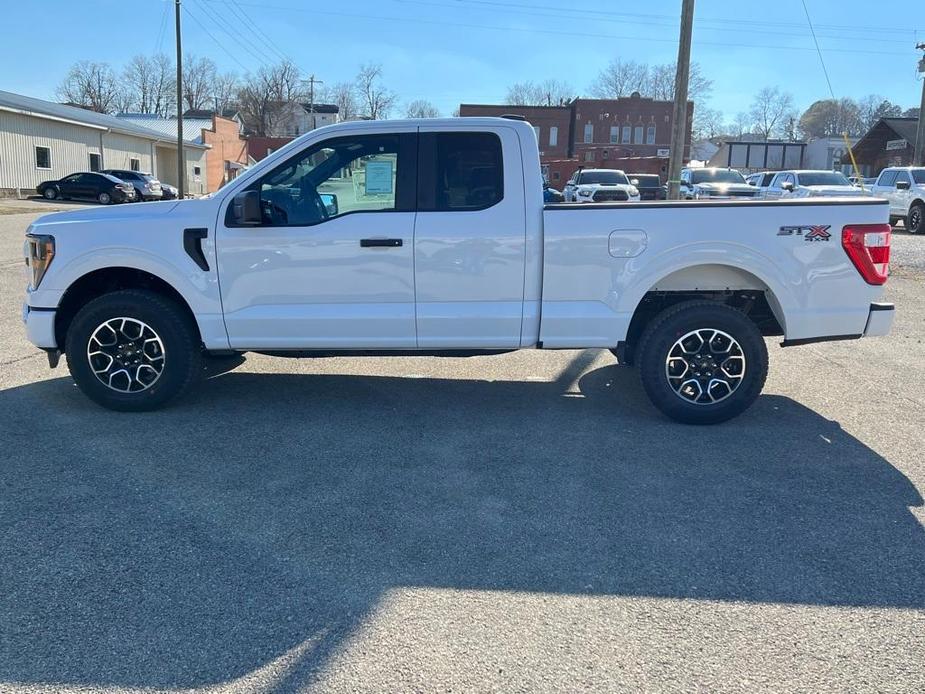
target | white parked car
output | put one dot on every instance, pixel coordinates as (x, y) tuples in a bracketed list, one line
[(431, 236), (904, 187), (600, 185), (761, 181), (714, 184), (809, 183)]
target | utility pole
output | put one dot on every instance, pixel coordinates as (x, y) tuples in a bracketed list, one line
[(311, 96), (918, 158), (181, 164), (679, 114)]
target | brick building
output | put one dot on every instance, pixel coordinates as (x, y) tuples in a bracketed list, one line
[(599, 133), (259, 147)]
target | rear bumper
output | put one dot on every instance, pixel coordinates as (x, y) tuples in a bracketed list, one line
[(879, 320), (40, 326)]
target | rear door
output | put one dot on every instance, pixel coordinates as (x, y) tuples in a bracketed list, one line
[(886, 188), (469, 238)]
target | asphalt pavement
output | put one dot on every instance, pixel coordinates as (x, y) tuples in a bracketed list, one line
[(514, 523)]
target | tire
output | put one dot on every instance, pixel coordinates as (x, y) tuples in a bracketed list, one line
[(915, 220), (719, 387), (160, 345), (50, 193), (104, 198)]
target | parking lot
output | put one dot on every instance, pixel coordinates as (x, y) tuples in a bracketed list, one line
[(524, 522)]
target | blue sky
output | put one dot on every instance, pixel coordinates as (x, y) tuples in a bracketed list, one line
[(452, 51)]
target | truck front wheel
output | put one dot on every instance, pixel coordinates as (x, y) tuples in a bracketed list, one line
[(133, 350), (702, 362)]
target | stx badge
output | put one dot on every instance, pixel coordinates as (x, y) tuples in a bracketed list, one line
[(809, 233)]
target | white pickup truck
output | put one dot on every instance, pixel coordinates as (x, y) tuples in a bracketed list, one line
[(430, 237)]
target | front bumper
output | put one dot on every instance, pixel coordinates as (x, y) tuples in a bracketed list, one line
[(40, 326)]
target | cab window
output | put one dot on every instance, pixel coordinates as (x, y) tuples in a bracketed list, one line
[(460, 171), (366, 173), (887, 178)]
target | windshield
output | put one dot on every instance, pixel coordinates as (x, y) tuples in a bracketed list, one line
[(645, 181), (147, 177), (716, 176), (823, 178), (918, 175), (604, 177)]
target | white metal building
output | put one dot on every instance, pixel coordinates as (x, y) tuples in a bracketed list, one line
[(42, 141)]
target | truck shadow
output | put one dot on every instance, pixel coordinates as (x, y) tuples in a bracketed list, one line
[(259, 524)]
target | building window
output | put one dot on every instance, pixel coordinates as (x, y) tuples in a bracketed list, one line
[(555, 175), (553, 136), (134, 165), (196, 171), (589, 155), (95, 164), (42, 158), (637, 135), (627, 131), (536, 129), (589, 132), (606, 154), (614, 134), (650, 135)]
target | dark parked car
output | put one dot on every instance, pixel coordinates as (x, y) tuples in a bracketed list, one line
[(169, 192), (551, 194), (88, 186), (147, 187), (649, 185)]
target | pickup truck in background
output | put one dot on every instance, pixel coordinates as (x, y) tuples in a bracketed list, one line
[(812, 184), (431, 237), (904, 188)]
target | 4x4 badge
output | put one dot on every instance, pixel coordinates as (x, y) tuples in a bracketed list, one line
[(809, 233)]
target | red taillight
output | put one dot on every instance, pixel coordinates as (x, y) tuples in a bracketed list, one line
[(868, 246)]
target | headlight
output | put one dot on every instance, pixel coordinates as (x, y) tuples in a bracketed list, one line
[(633, 191), (584, 192), (39, 252)]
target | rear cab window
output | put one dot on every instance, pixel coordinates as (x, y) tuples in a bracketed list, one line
[(459, 171)]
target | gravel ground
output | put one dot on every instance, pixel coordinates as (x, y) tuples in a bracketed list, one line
[(524, 522)]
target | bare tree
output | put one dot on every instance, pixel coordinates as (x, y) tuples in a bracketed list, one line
[(661, 82), (549, 92), (149, 85), (92, 85), (376, 100), (620, 78), (344, 96), (421, 108), (770, 110), (225, 90), (740, 125), (623, 77), (198, 81), (708, 123), (266, 98)]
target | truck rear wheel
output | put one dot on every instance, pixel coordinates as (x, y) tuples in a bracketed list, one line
[(133, 350), (702, 362)]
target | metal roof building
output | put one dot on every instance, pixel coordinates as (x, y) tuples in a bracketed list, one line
[(42, 140)]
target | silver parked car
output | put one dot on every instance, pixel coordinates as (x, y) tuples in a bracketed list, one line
[(147, 187)]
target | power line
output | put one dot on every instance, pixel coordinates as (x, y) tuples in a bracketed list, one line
[(818, 52), (223, 24), (159, 42), (416, 20), (266, 40), (215, 40)]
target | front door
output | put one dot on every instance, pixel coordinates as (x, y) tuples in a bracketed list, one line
[(331, 264)]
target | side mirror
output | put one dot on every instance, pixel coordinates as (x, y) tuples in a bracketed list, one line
[(787, 185), (902, 185), (329, 200), (245, 208)]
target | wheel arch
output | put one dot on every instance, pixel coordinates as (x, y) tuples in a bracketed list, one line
[(722, 283), (109, 279)]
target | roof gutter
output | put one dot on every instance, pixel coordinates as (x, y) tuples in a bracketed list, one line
[(58, 119)]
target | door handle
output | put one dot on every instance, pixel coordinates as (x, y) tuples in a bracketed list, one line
[(380, 243)]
